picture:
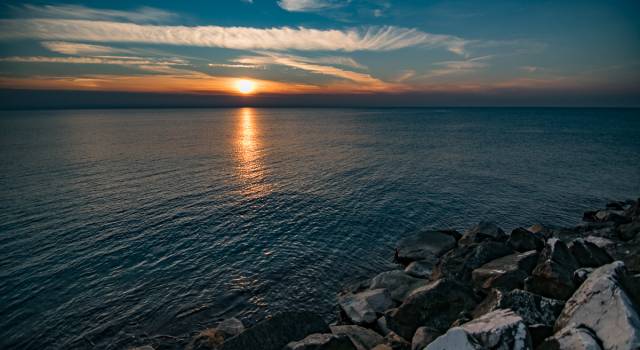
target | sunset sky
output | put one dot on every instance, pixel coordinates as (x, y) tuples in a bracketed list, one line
[(410, 52)]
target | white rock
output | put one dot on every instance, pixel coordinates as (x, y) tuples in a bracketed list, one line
[(455, 338), (500, 330)]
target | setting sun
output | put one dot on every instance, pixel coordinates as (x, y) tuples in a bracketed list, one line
[(245, 86)]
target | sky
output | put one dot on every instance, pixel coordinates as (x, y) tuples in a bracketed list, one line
[(324, 52)]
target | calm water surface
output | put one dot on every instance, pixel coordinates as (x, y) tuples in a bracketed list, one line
[(117, 225)]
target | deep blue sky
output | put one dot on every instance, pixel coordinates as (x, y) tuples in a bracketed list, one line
[(414, 50)]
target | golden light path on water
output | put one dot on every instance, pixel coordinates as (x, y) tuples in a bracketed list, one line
[(250, 154)]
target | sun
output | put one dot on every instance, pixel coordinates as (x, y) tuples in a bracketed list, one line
[(245, 86)]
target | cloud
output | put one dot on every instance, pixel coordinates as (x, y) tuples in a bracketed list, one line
[(141, 15), (309, 5), (244, 38), (113, 60), (457, 67), (68, 48)]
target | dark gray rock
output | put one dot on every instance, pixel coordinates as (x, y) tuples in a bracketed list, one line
[(278, 331), (481, 232), (523, 240), (581, 275), (534, 309), (601, 242), (588, 254), (362, 338), (420, 269), (423, 337), (362, 308), (230, 327), (628, 231), (553, 276), (396, 342), (633, 212), (602, 305), (539, 333), (571, 339), (507, 272), (322, 342), (435, 305), (455, 338), (424, 245), (398, 283), (461, 261)]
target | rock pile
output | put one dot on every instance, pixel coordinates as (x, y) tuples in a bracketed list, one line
[(536, 288)]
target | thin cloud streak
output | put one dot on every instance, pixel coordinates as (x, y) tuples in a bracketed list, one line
[(68, 48), (308, 5), (384, 38), (89, 60), (140, 15)]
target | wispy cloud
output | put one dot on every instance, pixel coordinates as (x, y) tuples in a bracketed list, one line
[(140, 15), (112, 60), (458, 67), (244, 38), (68, 48), (309, 5)]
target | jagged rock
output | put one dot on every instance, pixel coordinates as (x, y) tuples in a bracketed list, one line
[(634, 210), (523, 240), (423, 337), (603, 306), (381, 323), (455, 338), (553, 276), (424, 245), (435, 305), (600, 241), (322, 342), (588, 254), (581, 275), (396, 342), (144, 347), (483, 231), (230, 327), (507, 272), (398, 283), (208, 339), (420, 269), (629, 231), (571, 339), (362, 338), (278, 331), (362, 308), (539, 333), (461, 261), (534, 309), (500, 329), (382, 347)]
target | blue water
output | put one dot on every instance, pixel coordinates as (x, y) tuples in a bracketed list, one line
[(117, 225)]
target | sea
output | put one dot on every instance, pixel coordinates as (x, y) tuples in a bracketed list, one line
[(120, 226)]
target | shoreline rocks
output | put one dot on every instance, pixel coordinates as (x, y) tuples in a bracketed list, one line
[(537, 288)]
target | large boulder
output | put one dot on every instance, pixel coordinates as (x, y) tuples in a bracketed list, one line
[(602, 305), (523, 240), (507, 272), (362, 338), (322, 342), (424, 245), (230, 327), (423, 337), (420, 269), (571, 339), (534, 309), (553, 276), (398, 283), (362, 308), (461, 261), (455, 338), (500, 329), (435, 305), (483, 231), (276, 332), (628, 231), (588, 254)]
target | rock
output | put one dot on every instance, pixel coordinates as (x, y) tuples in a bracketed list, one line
[(628, 252), (396, 342), (581, 275), (539, 333), (278, 331), (420, 269), (435, 305), (461, 261), (588, 254), (523, 240), (534, 309), (381, 323), (144, 347), (424, 245), (382, 347), (507, 272), (500, 329), (616, 205), (589, 216), (633, 211), (455, 338), (603, 306), (616, 216), (208, 339), (398, 283), (423, 337), (362, 308), (600, 241), (553, 276), (629, 231), (230, 327), (362, 338), (571, 339), (483, 231), (322, 342)]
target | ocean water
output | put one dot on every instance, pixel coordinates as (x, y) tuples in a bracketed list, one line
[(120, 225)]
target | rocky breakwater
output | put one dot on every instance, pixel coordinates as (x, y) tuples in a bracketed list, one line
[(535, 288)]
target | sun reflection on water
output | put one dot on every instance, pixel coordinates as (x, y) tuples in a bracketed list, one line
[(249, 153)]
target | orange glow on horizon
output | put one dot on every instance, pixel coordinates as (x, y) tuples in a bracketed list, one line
[(245, 86)]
